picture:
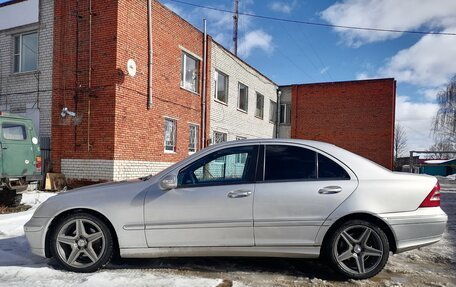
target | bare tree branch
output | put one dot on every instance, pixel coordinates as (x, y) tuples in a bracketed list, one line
[(400, 142)]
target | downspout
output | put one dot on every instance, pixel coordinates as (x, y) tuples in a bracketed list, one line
[(90, 76), (279, 94), (203, 98), (149, 70)]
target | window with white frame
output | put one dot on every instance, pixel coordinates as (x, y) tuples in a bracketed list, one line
[(189, 72), (243, 97), (285, 113), (259, 110), (25, 52), (240, 158), (193, 138), (221, 84), (219, 137), (272, 111), (170, 135)]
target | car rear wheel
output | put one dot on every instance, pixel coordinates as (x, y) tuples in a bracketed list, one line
[(82, 242), (357, 249)]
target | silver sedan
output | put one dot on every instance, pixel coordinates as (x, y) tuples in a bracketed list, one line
[(276, 198)]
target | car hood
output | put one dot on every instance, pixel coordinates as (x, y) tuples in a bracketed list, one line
[(99, 197)]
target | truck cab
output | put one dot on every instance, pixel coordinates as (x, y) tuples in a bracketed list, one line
[(20, 157)]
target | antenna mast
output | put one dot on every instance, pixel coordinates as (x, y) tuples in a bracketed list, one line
[(235, 26)]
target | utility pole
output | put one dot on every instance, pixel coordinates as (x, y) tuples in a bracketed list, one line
[(235, 26)]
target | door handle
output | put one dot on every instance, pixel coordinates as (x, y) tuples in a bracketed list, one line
[(330, 190), (239, 193)]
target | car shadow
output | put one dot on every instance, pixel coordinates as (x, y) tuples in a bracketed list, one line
[(226, 266), (15, 251)]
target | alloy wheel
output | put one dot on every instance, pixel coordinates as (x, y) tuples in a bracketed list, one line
[(80, 243), (358, 249)]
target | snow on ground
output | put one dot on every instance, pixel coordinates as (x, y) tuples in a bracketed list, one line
[(434, 265)]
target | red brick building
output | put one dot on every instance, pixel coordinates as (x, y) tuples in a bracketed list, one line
[(115, 135), (355, 115)]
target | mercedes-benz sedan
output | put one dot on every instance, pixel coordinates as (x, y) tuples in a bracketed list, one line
[(276, 198)]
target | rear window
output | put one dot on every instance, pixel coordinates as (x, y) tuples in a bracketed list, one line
[(14, 132), (328, 169)]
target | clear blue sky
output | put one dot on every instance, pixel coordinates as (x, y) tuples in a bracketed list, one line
[(295, 53)]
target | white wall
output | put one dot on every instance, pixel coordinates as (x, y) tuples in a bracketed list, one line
[(19, 14), (285, 98), (227, 118)]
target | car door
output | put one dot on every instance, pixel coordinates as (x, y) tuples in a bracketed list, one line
[(300, 189), (211, 206), (17, 154)]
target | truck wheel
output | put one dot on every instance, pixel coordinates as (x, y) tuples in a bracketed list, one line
[(17, 200), (7, 196)]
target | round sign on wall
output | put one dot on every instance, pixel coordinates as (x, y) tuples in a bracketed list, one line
[(131, 67)]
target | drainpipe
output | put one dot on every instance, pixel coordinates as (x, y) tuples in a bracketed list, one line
[(149, 70), (279, 94), (203, 98)]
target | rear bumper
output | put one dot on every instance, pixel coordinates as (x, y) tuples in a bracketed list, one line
[(417, 228)]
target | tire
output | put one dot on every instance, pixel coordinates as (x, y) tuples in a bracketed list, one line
[(17, 200), (357, 249), (81, 249), (7, 197)]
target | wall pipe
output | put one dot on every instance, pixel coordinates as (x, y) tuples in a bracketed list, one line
[(204, 92), (149, 69), (279, 94)]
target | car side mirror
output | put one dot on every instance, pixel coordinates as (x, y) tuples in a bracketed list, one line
[(168, 182)]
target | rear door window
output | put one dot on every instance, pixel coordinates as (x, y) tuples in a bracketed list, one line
[(288, 163), (11, 131)]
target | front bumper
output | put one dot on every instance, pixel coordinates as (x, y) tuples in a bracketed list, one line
[(417, 228), (35, 231)]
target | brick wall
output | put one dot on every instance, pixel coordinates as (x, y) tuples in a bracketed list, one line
[(139, 131), (355, 115), (115, 136), (226, 117)]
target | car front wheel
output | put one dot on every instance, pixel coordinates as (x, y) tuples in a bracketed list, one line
[(357, 249), (81, 242)]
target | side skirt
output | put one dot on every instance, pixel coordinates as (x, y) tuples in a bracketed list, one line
[(256, 251)]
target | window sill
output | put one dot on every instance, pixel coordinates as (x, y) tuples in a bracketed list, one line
[(241, 110), (18, 74), (191, 152), (260, 118), (170, 152), (188, 90), (220, 102)]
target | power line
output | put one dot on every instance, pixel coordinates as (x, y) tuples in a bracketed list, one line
[(317, 23)]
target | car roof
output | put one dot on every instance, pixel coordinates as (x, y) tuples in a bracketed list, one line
[(5, 115), (313, 143)]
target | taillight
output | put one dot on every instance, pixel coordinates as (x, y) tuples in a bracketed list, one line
[(38, 163), (433, 198)]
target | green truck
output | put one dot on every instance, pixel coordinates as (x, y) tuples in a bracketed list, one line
[(20, 157)]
